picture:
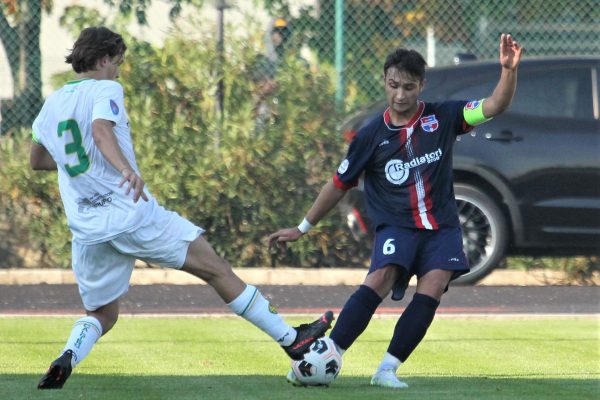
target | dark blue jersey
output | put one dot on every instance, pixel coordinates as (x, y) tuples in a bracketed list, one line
[(408, 169)]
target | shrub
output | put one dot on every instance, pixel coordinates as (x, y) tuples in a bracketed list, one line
[(34, 221), (238, 180)]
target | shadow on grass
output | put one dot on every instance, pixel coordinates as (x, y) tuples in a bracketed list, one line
[(117, 387)]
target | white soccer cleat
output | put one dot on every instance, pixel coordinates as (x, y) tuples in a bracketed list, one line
[(387, 378)]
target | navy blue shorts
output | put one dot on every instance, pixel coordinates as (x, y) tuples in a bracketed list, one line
[(418, 251)]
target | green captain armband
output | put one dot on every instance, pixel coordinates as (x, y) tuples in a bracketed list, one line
[(34, 138), (473, 113)]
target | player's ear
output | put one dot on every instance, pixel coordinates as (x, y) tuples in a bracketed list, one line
[(423, 83), (102, 61)]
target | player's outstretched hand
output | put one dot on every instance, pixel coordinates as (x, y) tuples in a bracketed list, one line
[(282, 236), (510, 52), (136, 183)]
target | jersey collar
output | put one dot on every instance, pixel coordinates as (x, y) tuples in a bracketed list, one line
[(77, 81), (388, 121)]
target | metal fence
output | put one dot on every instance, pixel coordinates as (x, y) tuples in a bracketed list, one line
[(352, 37)]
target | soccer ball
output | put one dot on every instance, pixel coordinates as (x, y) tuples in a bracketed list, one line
[(320, 365)]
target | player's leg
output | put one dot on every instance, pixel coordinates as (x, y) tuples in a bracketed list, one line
[(360, 307), (441, 260), (411, 327), (392, 252), (172, 241), (106, 315), (247, 301), (103, 276), (419, 313), (202, 261), (85, 333)]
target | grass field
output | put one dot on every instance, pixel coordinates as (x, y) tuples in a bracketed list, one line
[(225, 358)]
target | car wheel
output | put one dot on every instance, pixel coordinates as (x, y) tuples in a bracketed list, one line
[(484, 231)]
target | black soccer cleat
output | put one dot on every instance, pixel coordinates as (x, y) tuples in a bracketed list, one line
[(307, 334), (57, 374)]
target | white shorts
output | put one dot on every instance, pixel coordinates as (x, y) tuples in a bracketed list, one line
[(103, 270)]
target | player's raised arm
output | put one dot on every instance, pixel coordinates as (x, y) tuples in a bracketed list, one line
[(329, 196), (510, 57)]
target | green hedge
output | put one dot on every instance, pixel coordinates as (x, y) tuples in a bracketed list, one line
[(237, 180)]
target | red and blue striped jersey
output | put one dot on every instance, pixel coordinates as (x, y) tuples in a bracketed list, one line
[(407, 169)]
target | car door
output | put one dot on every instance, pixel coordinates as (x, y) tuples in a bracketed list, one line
[(546, 148), (557, 142)]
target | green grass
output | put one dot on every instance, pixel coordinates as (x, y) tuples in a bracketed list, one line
[(225, 358)]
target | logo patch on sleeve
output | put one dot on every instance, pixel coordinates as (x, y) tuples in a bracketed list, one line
[(472, 105), (114, 107), (343, 167), (429, 123)]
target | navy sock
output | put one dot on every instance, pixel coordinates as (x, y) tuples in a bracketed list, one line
[(412, 326), (355, 316)]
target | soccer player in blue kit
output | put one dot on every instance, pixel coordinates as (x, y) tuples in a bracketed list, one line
[(405, 155)]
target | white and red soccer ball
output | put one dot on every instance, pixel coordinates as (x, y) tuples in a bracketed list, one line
[(320, 366)]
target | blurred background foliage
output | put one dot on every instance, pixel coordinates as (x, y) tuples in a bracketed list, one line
[(244, 173), (237, 180)]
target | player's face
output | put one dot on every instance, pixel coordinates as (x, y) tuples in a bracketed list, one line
[(402, 91)]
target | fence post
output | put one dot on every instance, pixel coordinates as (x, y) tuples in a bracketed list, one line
[(430, 46)]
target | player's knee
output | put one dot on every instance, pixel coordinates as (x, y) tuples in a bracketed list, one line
[(434, 283), (382, 280), (203, 262), (210, 270), (220, 269)]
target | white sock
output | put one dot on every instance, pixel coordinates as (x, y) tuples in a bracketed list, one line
[(389, 362), (86, 331), (252, 306), (338, 348)]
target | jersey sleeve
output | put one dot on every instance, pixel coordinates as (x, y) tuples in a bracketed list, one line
[(457, 112), (357, 157), (109, 102), (37, 129), (34, 138), (473, 113), (34, 134)]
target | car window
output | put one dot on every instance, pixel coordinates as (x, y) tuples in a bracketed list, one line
[(555, 93), (483, 88), (559, 93)]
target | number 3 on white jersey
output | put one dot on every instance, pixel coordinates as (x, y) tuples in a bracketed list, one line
[(76, 146), (388, 247)]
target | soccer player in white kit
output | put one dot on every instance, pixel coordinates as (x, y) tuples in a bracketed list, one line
[(83, 132)]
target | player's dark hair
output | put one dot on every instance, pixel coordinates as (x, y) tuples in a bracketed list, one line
[(93, 44), (410, 61)]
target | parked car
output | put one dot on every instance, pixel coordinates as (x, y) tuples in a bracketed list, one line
[(528, 181)]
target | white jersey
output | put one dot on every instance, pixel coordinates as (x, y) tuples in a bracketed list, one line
[(97, 209)]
